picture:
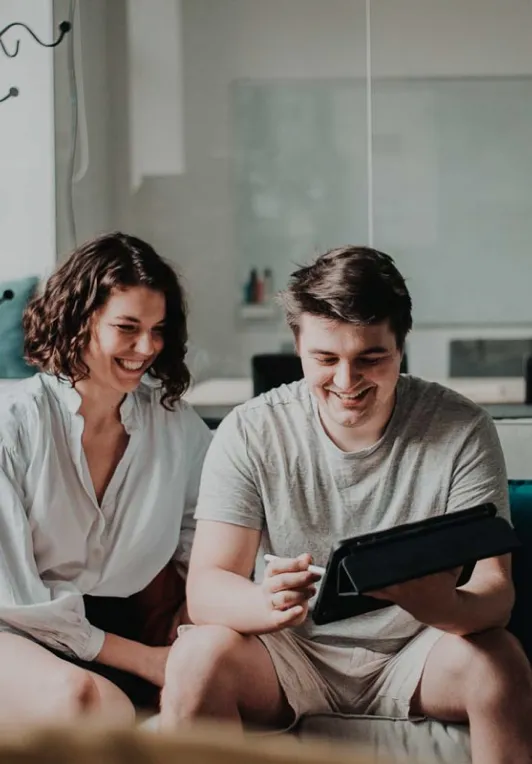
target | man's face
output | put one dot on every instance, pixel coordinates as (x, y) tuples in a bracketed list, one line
[(352, 370)]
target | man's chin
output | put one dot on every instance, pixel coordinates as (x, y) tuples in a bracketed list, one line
[(346, 418)]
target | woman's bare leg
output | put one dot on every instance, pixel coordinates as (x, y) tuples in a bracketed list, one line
[(37, 686)]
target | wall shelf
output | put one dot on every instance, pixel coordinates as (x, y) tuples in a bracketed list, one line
[(259, 312)]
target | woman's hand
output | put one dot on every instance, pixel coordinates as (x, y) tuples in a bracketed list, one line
[(180, 619), (154, 665)]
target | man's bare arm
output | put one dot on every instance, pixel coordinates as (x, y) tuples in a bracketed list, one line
[(219, 586), (485, 602)]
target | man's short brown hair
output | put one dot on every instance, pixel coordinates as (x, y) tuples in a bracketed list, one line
[(57, 322), (358, 285)]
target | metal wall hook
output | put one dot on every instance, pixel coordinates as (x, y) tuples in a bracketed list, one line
[(12, 93), (64, 28)]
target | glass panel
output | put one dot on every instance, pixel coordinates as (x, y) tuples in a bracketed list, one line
[(489, 357), (452, 159), (300, 170), (298, 144)]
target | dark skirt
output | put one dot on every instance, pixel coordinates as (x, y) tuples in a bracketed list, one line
[(118, 615)]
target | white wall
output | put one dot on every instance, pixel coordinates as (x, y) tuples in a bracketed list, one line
[(91, 192), (189, 218), (27, 208)]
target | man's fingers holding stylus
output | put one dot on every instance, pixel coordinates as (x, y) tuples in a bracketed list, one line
[(290, 617), (285, 581), (287, 599), (288, 564)]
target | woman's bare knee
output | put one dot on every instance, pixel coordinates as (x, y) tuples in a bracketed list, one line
[(73, 692), (37, 685), (113, 704), (63, 695)]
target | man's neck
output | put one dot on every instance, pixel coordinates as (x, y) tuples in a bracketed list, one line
[(360, 437), (351, 439)]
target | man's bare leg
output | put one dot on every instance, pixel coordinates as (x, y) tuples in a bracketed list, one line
[(485, 679), (214, 672)]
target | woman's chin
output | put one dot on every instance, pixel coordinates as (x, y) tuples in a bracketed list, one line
[(126, 384)]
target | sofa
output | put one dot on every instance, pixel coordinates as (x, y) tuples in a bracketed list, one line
[(427, 741)]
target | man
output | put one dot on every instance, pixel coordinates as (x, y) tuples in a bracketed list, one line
[(353, 447)]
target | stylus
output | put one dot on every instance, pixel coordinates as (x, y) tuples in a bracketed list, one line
[(319, 571)]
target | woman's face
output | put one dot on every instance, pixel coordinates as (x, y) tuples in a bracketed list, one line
[(126, 338)]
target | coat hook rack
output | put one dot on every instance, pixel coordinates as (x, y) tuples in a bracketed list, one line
[(64, 28)]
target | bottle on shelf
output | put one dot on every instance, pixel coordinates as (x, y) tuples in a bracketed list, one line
[(251, 287), (268, 284), (259, 290)]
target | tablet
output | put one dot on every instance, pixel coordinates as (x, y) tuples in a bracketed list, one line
[(373, 561)]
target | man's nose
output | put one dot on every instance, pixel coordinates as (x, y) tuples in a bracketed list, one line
[(346, 376)]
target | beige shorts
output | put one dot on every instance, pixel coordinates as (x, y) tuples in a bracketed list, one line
[(320, 678)]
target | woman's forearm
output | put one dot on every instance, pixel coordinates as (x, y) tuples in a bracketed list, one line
[(125, 654)]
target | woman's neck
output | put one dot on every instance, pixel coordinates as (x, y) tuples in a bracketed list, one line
[(100, 407)]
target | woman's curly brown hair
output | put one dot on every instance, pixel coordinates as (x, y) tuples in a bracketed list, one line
[(57, 322)]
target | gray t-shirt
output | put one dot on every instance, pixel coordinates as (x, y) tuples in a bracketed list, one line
[(272, 467)]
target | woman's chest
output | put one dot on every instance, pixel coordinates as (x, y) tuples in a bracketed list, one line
[(139, 508), (103, 453)]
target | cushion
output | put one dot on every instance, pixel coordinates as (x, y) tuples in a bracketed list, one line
[(398, 741), (157, 605), (12, 364), (521, 511)]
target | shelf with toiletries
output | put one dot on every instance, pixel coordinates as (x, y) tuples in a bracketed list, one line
[(258, 312), (258, 303)]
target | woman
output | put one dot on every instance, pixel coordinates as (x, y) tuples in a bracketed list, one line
[(99, 474)]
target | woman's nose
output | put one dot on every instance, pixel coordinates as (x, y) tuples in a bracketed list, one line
[(144, 344)]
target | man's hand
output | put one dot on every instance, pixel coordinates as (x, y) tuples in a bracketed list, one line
[(287, 587), (429, 599)]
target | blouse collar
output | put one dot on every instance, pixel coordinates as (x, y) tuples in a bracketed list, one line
[(67, 394)]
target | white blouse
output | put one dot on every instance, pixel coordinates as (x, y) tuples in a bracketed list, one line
[(56, 542)]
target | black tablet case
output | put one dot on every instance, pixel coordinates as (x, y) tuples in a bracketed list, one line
[(375, 560)]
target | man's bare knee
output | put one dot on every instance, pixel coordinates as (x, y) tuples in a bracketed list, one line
[(201, 675), (485, 669), (203, 649), (498, 669)]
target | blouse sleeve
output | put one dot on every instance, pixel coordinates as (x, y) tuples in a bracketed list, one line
[(52, 612), (198, 441)]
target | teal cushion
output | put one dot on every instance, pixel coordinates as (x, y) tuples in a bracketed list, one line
[(521, 512), (12, 364)]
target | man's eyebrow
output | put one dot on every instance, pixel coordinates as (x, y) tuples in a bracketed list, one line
[(374, 350), (316, 351)]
